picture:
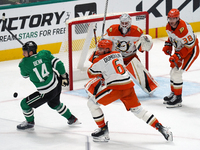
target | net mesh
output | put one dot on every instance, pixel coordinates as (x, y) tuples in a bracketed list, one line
[(79, 42)]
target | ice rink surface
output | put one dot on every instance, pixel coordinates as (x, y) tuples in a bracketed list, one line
[(126, 131)]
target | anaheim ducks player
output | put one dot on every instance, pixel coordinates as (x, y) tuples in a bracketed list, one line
[(124, 36), (186, 51), (128, 39), (108, 65)]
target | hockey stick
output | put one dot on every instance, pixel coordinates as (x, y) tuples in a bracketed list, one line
[(3, 18), (95, 35), (173, 60), (95, 39), (104, 19)]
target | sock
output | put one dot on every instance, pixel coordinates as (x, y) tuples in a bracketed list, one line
[(63, 110)]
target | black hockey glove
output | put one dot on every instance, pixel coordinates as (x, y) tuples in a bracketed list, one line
[(65, 79)]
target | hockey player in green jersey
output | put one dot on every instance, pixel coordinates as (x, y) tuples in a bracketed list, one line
[(39, 67)]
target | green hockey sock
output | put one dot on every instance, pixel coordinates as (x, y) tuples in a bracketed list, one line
[(27, 111), (63, 110)]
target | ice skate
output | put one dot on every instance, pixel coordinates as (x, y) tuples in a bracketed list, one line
[(26, 125), (168, 98), (101, 134), (165, 132), (73, 120), (175, 102)]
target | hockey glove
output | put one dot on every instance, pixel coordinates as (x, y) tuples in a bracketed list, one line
[(138, 46), (167, 49), (175, 59), (144, 43), (65, 79)]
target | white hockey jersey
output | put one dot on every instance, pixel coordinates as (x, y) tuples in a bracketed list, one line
[(111, 68), (182, 36)]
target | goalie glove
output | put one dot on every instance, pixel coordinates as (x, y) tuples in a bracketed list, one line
[(167, 49), (144, 43), (65, 79)]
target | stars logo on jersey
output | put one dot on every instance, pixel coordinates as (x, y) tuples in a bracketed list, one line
[(123, 45), (181, 29)]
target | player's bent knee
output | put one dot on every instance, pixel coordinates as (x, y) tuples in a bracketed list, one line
[(91, 105), (24, 105), (141, 113), (138, 111), (54, 105), (94, 108)]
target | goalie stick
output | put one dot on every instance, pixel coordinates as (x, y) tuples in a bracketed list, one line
[(4, 24)]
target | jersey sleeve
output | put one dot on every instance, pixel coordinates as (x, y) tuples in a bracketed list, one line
[(93, 71), (22, 69), (56, 63)]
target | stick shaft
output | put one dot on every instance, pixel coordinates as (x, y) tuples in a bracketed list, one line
[(95, 35), (3, 18), (173, 61), (104, 19), (14, 36)]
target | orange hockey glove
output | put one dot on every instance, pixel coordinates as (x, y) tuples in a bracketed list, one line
[(167, 49), (175, 59)]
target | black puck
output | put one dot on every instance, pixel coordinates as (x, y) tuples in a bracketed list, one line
[(15, 94)]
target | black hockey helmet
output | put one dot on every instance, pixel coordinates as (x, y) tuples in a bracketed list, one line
[(30, 46)]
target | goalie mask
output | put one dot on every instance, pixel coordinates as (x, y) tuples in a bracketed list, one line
[(30, 46), (125, 23), (104, 46)]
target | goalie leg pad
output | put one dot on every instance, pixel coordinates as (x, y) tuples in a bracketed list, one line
[(141, 76)]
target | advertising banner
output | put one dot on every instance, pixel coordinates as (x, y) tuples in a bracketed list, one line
[(45, 24)]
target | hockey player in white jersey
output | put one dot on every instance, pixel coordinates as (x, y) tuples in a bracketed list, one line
[(109, 82), (186, 51)]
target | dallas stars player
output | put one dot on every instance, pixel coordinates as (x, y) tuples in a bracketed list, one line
[(39, 67)]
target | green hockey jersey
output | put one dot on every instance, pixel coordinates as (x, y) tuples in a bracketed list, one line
[(39, 68)]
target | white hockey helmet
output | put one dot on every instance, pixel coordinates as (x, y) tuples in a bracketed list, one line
[(125, 23)]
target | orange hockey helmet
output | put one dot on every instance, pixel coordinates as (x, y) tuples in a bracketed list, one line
[(105, 44), (174, 13)]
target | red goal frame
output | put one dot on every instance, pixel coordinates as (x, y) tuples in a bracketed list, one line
[(96, 20)]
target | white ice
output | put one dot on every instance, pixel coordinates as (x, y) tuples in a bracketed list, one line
[(126, 131)]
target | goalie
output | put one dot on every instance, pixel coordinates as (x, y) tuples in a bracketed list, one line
[(128, 39)]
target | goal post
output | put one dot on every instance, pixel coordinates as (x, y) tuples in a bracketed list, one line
[(75, 50)]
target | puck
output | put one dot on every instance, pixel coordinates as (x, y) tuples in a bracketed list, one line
[(15, 94)]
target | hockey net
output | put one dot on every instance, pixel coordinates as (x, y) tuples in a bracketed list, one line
[(79, 42)]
